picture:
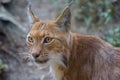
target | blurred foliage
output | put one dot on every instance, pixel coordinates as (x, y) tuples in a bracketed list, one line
[(99, 13), (113, 36)]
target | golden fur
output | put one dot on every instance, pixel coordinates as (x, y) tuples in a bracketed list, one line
[(72, 56)]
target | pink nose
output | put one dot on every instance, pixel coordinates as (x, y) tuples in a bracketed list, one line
[(35, 55)]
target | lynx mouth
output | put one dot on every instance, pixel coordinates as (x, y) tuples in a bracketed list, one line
[(43, 58), (42, 61)]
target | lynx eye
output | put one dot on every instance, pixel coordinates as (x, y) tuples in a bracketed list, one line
[(47, 40), (30, 39)]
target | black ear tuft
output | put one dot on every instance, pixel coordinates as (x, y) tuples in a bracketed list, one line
[(32, 18)]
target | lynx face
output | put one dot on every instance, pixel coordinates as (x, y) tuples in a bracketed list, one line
[(48, 41), (45, 40)]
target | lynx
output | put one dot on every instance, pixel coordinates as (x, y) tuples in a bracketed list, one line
[(71, 56)]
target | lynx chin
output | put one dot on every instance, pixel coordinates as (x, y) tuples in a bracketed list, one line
[(71, 56)]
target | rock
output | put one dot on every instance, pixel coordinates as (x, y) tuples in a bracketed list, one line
[(10, 26)]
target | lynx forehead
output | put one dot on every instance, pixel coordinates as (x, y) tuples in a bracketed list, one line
[(71, 56)]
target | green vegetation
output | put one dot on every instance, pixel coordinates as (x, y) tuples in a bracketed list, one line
[(113, 36), (98, 14)]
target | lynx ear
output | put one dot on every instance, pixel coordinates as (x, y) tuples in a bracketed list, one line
[(63, 20), (32, 18)]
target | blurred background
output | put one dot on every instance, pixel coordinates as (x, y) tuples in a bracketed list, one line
[(94, 17)]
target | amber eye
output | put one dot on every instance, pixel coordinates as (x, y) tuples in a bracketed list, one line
[(30, 39), (47, 40)]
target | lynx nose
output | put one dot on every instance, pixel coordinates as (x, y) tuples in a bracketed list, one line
[(35, 55), (36, 52)]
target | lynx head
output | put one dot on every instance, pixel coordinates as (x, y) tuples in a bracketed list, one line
[(48, 41)]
